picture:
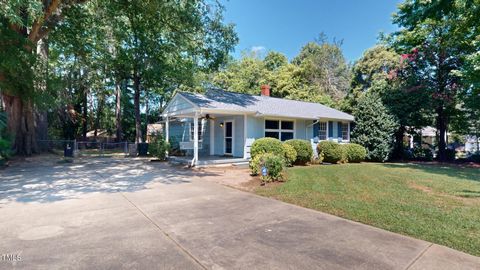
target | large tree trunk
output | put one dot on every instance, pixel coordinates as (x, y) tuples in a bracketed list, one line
[(136, 101), (442, 130), (21, 124), (84, 111), (399, 148), (20, 110), (101, 103), (118, 111), (41, 129), (41, 116)]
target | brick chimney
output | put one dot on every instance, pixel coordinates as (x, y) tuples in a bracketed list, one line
[(265, 90)]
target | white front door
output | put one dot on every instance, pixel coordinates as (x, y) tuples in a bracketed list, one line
[(228, 138)]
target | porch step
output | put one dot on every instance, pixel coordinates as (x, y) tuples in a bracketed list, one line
[(208, 162), (236, 164)]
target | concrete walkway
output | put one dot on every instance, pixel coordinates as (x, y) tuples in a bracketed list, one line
[(138, 215)]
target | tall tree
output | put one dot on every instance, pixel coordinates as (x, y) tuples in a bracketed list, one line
[(392, 78), (374, 127), (287, 80), (23, 24), (325, 67), (165, 43), (431, 32)]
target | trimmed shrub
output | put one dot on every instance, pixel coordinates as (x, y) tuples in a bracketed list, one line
[(331, 152), (450, 154), (5, 147), (5, 142), (255, 165), (355, 152), (159, 148), (274, 164), (267, 145), (304, 150), (474, 158), (422, 154), (290, 154)]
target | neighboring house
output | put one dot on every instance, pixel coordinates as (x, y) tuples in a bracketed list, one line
[(428, 136), (153, 130), (429, 140), (101, 135), (222, 123), (472, 144)]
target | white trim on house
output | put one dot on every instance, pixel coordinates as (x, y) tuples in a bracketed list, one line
[(326, 130), (218, 111), (166, 111), (295, 128), (187, 100), (212, 137), (195, 140), (201, 129), (245, 127), (347, 125), (280, 130)]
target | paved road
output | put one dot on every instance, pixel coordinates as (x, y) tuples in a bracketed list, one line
[(138, 215)]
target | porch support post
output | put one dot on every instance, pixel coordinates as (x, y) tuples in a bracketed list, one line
[(167, 131), (195, 139), (245, 134)]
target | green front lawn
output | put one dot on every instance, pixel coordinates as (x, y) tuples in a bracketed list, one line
[(440, 204)]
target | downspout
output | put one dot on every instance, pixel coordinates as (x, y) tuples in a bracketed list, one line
[(312, 124)]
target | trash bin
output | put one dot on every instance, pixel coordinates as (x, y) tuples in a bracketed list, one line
[(68, 150), (142, 149)]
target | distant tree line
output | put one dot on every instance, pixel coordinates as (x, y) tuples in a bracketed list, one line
[(74, 66)]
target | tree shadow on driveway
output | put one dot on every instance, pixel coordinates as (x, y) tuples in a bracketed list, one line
[(49, 183)]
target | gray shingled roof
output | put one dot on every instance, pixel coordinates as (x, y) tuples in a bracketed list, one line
[(268, 106)]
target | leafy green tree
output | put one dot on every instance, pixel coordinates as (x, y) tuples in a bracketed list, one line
[(385, 73), (375, 65), (275, 60), (23, 24), (243, 76), (287, 80), (374, 127), (324, 67), (165, 43), (432, 37)]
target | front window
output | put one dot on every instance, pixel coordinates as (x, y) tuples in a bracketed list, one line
[(322, 131), (200, 133), (345, 135), (282, 130)]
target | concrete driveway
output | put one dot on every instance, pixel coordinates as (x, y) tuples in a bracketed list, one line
[(127, 214)]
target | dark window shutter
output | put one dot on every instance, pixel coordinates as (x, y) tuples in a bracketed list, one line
[(316, 130), (330, 129)]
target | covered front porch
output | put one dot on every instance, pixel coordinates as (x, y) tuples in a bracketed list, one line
[(200, 137)]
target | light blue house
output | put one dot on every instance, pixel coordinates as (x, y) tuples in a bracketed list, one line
[(224, 124)]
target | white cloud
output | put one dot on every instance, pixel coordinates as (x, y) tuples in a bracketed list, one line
[(257, 49)]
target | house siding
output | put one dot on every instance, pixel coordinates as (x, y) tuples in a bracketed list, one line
[(255, 127), (300, 129), (179, 104)]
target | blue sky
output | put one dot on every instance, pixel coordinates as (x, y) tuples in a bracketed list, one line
[(287, 25)]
